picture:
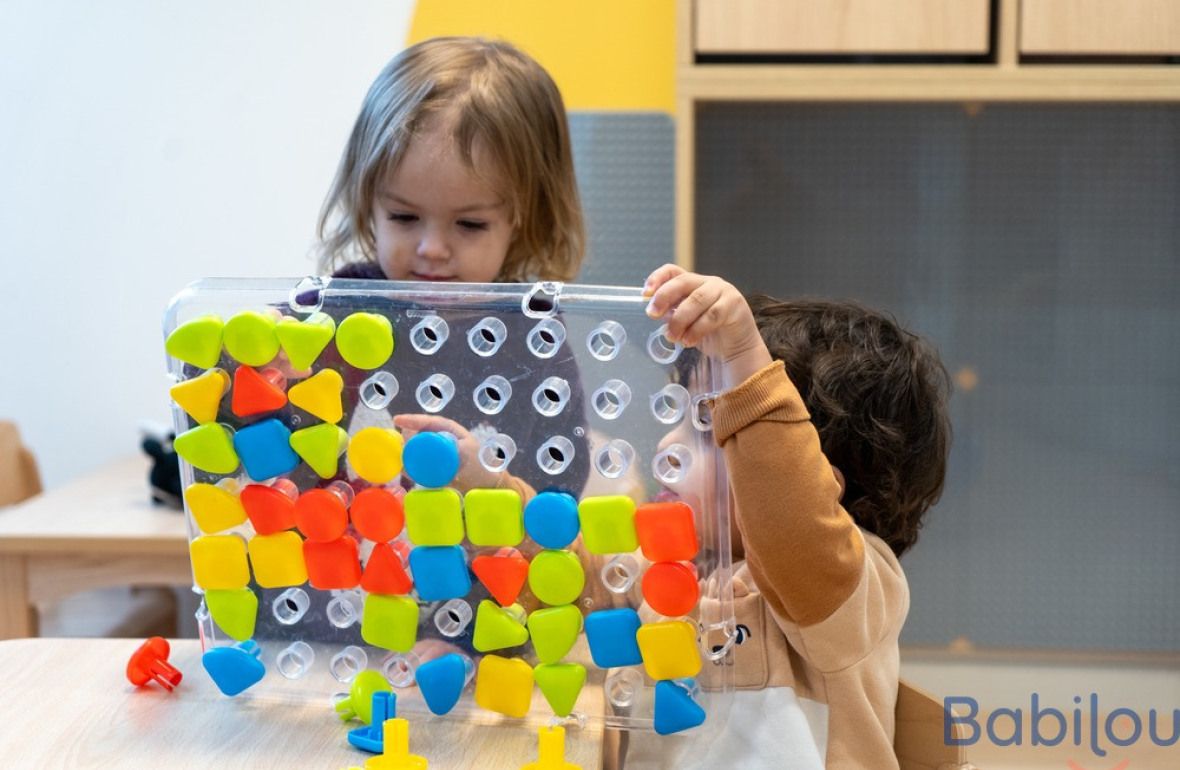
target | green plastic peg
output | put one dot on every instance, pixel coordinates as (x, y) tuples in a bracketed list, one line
[(608, 524), (208, 447), (560, 683), (359, 703), (250, 338), (434, 516), (497, 628), (554, 631), (197, 342), (234, 611), (320, 446), (365, 340), (303, 341), (390, 622), (556, 577), (494, 517)]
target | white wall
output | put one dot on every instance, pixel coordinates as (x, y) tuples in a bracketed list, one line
[(144, 144)]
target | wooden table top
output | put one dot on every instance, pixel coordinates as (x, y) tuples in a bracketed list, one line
[(67, 703), (104, 511)]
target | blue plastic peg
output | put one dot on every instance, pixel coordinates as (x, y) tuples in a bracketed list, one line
[(234, 669)]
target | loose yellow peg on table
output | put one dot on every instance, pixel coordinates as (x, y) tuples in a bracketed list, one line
[(397, 754), (551, 752)]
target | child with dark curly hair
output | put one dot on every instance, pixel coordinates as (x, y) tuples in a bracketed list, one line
[(835, 434)]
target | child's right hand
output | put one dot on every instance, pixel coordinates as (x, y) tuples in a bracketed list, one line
[(706, 312)]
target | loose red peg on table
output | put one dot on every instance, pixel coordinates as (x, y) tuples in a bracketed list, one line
[(150, 662)]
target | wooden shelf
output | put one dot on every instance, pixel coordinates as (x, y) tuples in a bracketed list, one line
[(929, 82)]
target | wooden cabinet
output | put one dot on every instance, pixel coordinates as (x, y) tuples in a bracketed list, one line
[(1000, 42), (803, 27), (1100, 28)]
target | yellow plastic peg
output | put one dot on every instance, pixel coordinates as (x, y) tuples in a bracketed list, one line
[(397, 754), (551, 751), (319, 395), (504, 685), (200, 397)]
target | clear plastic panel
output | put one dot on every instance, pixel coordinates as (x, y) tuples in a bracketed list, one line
[(560, 388)]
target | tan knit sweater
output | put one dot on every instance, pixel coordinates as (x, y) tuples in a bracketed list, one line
[(819, 604)]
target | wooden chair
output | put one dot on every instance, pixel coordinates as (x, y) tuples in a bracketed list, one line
[(116, 612), (19, 479), (918, 738)]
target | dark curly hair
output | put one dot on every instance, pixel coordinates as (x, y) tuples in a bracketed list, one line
[(878, 397)]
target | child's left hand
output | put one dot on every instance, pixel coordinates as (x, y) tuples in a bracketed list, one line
[(706, 312)]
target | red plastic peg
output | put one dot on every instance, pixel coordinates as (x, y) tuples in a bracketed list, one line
[(150, 662), (321, 515), (385, 572), (257, 392), (271, 509), (671, 588), (503, 574), (335, 564), (666, 531), (377, 514)]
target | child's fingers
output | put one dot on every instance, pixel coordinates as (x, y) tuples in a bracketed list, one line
[(720, 313), (672, 293), (283, 364), (659, 277), (697, 311), (429, 422)]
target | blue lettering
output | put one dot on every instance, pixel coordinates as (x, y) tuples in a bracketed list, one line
[(1136, 731), (1012, 740), (1155, 736), (1098, 750), (950, 721), (1037, 715)]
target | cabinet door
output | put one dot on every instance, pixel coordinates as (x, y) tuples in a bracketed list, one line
[(1100, 27), (842, 26)]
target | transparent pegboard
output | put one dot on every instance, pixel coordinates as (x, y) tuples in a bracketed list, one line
[(540, 389)]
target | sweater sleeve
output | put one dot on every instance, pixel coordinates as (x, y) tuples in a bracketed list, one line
[(803, 549)]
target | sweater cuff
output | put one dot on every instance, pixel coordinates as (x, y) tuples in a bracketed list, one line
[(767, 394)]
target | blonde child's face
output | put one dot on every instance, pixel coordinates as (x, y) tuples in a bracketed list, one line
[(435, 219)]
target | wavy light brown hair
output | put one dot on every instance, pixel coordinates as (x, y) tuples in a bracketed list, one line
[(878, 397), (491, 94)]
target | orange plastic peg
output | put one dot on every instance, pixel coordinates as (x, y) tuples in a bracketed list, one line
[(150, 663), (257, 392), (671, 588), (385, 573), (377, 513), (503, 574), (666, 531), (271, 508), (332, 565), (322, 514)]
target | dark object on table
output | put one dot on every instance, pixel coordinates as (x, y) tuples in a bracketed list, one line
[(164, 478)]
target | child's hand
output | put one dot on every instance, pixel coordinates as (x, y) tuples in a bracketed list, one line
[(706, 312), (471, 475), (283, 364)]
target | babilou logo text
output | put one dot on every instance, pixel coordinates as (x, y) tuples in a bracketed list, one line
[(1086, 723)]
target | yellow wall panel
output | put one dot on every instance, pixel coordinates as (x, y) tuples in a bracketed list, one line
[(604, 54)]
